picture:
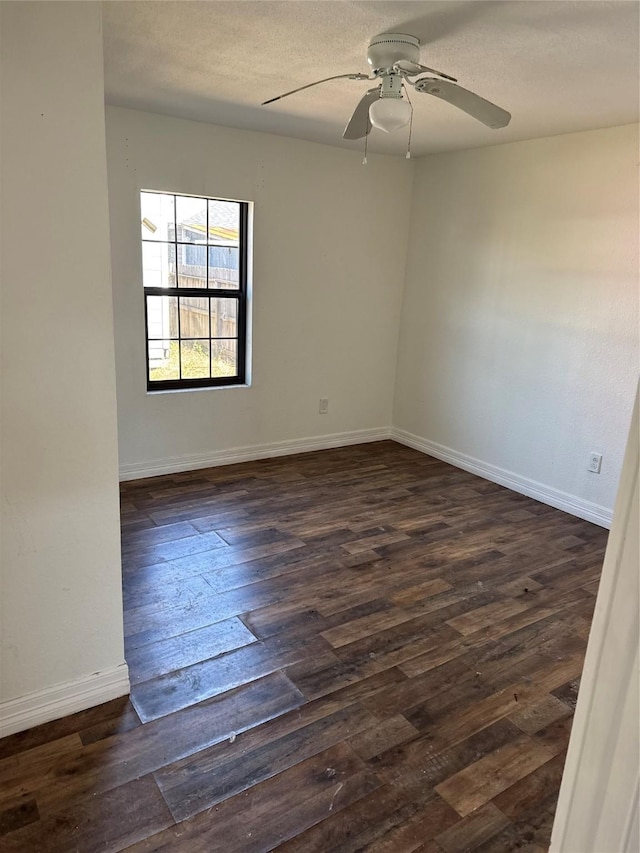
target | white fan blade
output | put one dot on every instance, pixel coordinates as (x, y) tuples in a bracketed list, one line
[(317, 83), (359, 124), (468, 102), (412, 68)]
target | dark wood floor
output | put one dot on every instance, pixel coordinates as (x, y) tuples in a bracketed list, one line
[(356, 649)]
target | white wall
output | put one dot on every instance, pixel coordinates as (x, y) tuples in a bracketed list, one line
[(598, 805), (61, 626), (329, 251), (519, 334)]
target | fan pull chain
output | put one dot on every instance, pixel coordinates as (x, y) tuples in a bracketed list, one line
[(366, 140), (408, 154)]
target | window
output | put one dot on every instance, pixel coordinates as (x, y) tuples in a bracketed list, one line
[(194, 274)]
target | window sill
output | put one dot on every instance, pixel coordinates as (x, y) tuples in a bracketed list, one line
[(197, 390)]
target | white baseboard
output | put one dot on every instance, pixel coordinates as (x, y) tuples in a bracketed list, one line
[(193, 461), (42, 706), (600, 515), (545, 494)]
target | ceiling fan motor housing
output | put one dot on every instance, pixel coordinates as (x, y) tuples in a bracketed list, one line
[(388, 48)]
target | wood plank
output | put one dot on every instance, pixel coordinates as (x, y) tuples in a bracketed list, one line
[(133, 539), (555, 736), (418, 831), (165, 656), (127, 720), (34, 761), (273, 810), (531, 718), (534, 793), (215, 775), (361, 663), (16, 816), (429, 847), (479, 783), (368, 543), (418, 765), (401, 698), (469, 833), (412, 594), (530, 836), (193, 684), (468, 623), (111, 820), (447, 651), (163, 596), (568, 693), (358, 826), (358, 629), (382, 736), (472, 716), (269, 622), (147, 555)]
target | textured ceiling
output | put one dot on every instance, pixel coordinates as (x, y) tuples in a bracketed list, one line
[(556, 66)]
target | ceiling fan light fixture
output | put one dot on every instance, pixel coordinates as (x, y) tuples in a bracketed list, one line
[(390, 113), (394, 60)]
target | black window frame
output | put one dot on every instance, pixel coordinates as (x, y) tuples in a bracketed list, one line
[(239, 294)]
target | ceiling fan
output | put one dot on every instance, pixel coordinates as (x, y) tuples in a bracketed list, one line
[(393, 58)]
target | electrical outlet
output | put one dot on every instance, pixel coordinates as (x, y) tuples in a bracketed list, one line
[(595, 462), (323, 408)]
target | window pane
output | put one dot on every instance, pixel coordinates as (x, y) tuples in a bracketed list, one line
[(224, 318), (194, 317), (195, 359), (224, 222), (158, 265), (162, 317), (163, 360), (191, 214), (192, 242), (224, 262), (224, 358), (157, 215), (193, 265)]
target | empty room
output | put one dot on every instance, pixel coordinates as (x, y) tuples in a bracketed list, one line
[(319, 426)]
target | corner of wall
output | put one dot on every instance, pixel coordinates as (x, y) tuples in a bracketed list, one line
[(60, 700)]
